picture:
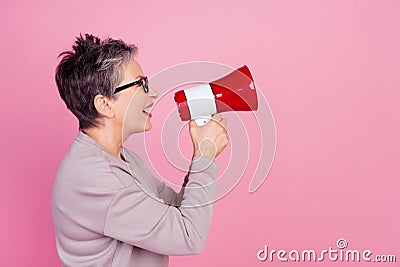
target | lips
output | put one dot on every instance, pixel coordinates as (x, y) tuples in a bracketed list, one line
[(147, 110)]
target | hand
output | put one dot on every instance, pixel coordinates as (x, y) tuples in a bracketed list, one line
[(210, 139)]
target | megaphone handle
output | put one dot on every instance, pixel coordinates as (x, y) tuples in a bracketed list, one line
[(200, 121)]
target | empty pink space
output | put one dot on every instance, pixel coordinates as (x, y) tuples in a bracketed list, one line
[(329, 70)]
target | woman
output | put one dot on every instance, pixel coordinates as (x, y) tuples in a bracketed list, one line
[(108, 210)]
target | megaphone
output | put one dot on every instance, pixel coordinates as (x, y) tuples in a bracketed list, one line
[(233, 92)]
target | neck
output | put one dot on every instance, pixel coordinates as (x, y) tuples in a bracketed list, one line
[(107, 137)]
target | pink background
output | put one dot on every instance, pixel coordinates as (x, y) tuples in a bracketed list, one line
[(329, 69)]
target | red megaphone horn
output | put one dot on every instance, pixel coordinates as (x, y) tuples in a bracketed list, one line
[(233, 92)]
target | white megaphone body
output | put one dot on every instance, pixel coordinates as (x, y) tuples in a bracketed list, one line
[(233, 92)]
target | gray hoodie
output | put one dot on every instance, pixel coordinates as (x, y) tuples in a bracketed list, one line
[(107, 212)]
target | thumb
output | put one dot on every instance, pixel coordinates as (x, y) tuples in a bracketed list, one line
[(192, 124)]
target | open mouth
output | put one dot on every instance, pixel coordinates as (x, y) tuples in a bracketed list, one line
[(147, 110)]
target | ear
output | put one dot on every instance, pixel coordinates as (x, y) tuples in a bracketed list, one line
[(104, 106)]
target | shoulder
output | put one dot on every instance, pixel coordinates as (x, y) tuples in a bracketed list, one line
[(132, 156), (85, 165)]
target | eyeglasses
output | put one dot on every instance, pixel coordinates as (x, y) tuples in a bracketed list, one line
[(143, 81)]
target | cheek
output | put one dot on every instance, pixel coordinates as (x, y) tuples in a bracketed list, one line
[(122, 109), (129, 106), (133, 111), (134, 118)]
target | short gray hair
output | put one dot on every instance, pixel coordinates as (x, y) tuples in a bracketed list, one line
[(92, 67)]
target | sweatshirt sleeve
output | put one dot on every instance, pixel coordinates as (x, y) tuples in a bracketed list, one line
[(145, 221), (166, 193), (169, 195)]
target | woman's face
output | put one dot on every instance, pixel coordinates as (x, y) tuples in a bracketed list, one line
[(132, 101)]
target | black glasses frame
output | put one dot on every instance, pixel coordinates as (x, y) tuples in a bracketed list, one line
[(143, 81)]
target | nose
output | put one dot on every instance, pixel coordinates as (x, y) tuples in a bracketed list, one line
[(152, 92)]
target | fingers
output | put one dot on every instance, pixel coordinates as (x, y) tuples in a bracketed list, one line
[(224, 122), (217, 117), (214, 131)]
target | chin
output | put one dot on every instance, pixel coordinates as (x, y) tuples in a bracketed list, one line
[(148, 127), (148, 124)]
